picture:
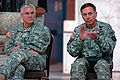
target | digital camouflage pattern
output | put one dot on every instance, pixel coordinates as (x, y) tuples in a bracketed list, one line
[(36, 38), (99, 50)]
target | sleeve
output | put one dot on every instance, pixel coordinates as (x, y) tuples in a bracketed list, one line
[(75, 45), (107, 41), (10, 43), (43, 4), (39, 42)]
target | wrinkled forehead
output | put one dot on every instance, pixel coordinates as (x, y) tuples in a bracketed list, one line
[(28, 9)]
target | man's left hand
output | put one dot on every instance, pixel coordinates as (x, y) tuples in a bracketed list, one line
[(93, 35), (34, 52)]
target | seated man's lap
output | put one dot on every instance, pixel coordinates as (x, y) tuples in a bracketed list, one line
[(91, 65)]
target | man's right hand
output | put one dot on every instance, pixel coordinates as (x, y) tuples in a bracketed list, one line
[(83, 34), (16, 48)]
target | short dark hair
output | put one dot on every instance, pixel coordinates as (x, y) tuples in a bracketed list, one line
[(87, 5)]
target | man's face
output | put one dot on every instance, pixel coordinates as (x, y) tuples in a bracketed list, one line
[(28, 15), (89, 16)]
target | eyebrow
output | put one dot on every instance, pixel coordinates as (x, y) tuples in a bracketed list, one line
[(30, 12)]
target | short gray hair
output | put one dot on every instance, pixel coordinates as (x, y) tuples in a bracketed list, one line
[(26, 6)]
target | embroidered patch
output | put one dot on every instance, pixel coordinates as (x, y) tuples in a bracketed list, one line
[(9, 34), (114, 38), (72, 36)]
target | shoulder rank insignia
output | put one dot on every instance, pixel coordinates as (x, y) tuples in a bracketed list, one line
[(9, 34), (72, 36)]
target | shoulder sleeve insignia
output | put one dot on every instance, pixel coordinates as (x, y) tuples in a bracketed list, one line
[(9, 34), (72, 36), (114, 38)]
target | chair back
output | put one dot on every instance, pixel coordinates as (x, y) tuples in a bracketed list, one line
[(48, 52)]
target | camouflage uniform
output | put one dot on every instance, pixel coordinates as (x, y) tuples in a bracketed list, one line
[(96, 51), (36, 38)]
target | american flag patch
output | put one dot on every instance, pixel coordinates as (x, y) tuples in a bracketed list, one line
[(8, 34), (72, 36)]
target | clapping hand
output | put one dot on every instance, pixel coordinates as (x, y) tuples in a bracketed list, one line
[(83, 34), (91, 35)]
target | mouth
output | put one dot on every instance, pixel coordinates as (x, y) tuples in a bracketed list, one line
[(89, 21), (30, 19)]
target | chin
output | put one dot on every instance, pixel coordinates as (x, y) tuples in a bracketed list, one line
[(90, 23), (31, 22)]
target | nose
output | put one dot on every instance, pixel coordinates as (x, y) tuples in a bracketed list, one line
[(88, 16), (30, 15)]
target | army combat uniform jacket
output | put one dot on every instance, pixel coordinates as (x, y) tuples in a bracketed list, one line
[(36, 38), (102, 47)]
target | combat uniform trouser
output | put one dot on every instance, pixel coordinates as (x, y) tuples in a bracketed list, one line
[(80, 67), (102, 69), (19, 72), (19, 60)]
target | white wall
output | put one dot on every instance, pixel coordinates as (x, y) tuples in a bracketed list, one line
[(67, 59)]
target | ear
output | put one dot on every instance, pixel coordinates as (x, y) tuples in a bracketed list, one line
[(96, 14), (21, 15)]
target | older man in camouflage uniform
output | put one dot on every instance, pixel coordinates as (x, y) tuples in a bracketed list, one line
[(26, 46), (92, 43)]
